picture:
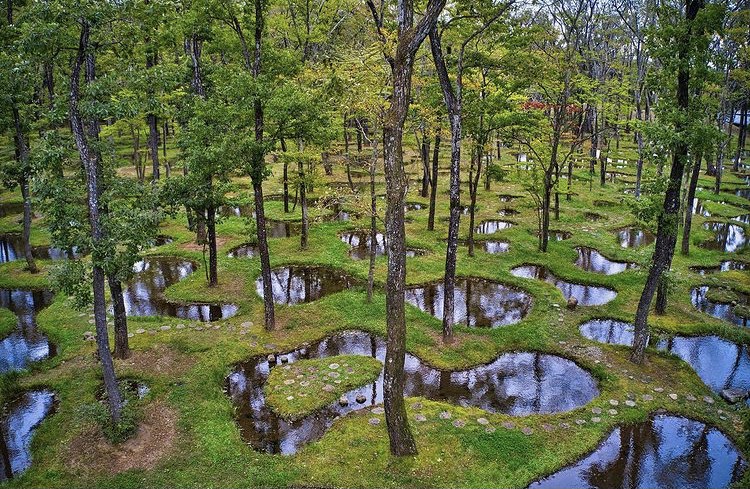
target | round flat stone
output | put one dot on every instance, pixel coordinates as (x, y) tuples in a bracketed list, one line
[(527, 431), (647, 397), (166, 327), (612, 412), (374, 421), (489, 429), (580, 421), (334, 366), (673, 397), (508, 425), (614, 402), (596, 410), (377, 410), (630, 403), (596, 419), (328, 388), (289, 398), (565, 426), (416, 405), (708, 399), (247, 324), (483, 421), (459, 423), (420, 418), (691, 397), (180, 326), (658, 389), (289, 382), (140, 331), (445, 415)]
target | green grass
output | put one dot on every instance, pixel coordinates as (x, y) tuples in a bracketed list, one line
[(296, 390), (186, 368)]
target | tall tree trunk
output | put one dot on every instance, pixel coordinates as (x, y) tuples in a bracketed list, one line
[(91, 164), (689, 206), (453, 105), (213, 278), (22, 154), (122, 347), (741, 135), (151, 119), (425, 153), (303, 200), (666, 236), (433, 184), (257, 175), (373, 221)]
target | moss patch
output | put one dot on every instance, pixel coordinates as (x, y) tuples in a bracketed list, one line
[(722, 296), (300, 388)]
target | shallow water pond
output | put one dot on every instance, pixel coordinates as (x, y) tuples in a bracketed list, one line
[(719, 310), (299, 284), (23, 416), (478, 302), (727, 237), (492, 226), (632, 237), (723, 266), (592, 260), (144, 293), (587, 295), (666, 452), (514, 383), (25, 344)]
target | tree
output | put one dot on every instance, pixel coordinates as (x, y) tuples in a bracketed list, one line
[(681, 45), (400, 58)]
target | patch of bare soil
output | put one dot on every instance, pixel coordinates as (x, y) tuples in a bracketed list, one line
[(193, 246), (91, 452), (158, 360)]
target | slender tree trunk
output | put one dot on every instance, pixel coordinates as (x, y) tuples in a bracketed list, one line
[(373, 221), (258, 167), (741, 135), (689, 206), (303, 199), (213, 278), (425, 165), (666, 237), (91, 164), (122, 347), (153, 123), (22, 154), (433, 184)]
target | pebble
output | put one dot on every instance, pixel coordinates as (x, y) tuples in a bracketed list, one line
[(140, 331), (565, 426), (596, 410), (374, 421), (333, 366), (180, 326), (377, 410), (271, 358), (289, 382), (360, 398), (708, 399), (489, 429), (459, 423), (673, 397), (658, 389), (289, 398), (527, 431), (445, 415), (328, 388), (284, 359), (483, 421), (416, 405), (166, 327), (508, 425), (420, 418), (630, 403), (580, 421), (647, 397), (612, 412), (304, 383), (596, 419), (130, 335), (334, 375), (247, 324), (614, 402), (343, 401), (547, 427), (691, 397)]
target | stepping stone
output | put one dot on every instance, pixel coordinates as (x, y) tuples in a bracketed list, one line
[(140, 331), (420, 418), (337, 381), (565, 426), (547, 427), (289, 398), (489, 429), (271, 358), (508, 425), (374, 421), (596, 419), (614, 402), (673, 397), (483, 421), (333, 366), (691, 397), (199, 328), (708, 399), (596, 410), (360, 398), (130, 335), (612, 412), (445, 415), (180, 326), (580, 422), (247, 324), (377, 410), (527, 431), (304, 383), (269, 346), (416, 405), (284, 359), (253, 344), (334, 375), (658, 389), (647, 397), (459, 423), (328, 388), (289, 382), (630, 403), (343, 401), (165, 328)]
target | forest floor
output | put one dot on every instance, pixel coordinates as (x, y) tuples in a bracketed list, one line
[(188, 435)]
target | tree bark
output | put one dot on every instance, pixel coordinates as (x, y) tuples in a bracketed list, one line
[(122, 346), (373, 221), (689, 206), (91, 163), (666, 237), (433, 183), (22, 153), (303, 200), (213, 278)]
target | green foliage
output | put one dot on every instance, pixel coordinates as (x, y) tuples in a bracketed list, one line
[(72, 278)]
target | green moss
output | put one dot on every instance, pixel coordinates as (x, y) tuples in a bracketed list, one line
[(742, 311), (297, 389), (721, 295)]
